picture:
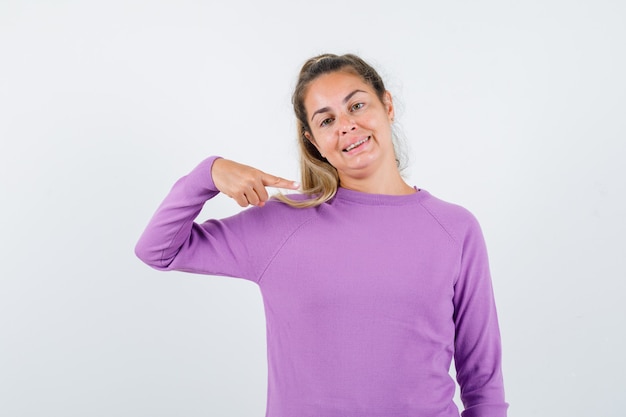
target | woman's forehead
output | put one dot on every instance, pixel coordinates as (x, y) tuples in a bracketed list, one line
[(334, 88)]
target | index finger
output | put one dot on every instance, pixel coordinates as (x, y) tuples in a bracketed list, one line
[(278, 182)]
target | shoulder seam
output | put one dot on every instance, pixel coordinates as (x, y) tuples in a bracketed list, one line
[(441, 224), (454, 239), (279, 248)]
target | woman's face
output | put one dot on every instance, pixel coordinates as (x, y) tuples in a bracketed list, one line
[(349, 125)]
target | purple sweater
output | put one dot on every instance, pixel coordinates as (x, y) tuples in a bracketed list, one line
[(367, 297)]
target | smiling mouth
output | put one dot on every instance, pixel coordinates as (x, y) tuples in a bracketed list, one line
[(357, 144)]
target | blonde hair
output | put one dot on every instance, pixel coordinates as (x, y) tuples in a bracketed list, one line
[(319, 179)]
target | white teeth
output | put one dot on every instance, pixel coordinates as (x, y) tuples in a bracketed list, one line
[(354, 145)]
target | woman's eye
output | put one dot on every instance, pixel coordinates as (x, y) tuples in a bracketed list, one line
[(326, 122), (356, 106)]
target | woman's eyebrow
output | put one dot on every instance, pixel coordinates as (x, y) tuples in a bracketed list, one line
[(349, 96), (345, 100)]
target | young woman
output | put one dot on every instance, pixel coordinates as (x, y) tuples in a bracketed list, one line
[(371, 286)]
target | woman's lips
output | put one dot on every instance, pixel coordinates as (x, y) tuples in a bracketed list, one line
[(356, 144)]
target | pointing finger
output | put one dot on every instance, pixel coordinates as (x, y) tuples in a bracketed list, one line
[(278, 182)]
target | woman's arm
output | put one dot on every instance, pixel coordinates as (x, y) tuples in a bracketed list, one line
[(172, 239), (477, 344)]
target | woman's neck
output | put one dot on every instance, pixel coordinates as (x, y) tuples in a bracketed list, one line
[(392, 184)]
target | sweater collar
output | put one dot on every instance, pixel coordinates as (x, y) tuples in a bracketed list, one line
[(344, 194)]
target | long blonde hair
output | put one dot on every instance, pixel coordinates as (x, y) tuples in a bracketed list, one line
[(319, 179)]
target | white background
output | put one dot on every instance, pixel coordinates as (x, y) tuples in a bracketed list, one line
[(515, 110)]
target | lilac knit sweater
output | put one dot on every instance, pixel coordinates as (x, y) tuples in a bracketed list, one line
[(367, 297)]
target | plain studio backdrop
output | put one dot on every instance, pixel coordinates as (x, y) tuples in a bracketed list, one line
[(515, 110)]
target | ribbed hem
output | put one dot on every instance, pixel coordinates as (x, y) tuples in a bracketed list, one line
[(486, 410)]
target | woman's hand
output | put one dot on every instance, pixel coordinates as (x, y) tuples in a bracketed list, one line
[(244, 184)]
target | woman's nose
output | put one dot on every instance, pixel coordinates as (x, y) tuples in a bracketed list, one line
[(347, 124)]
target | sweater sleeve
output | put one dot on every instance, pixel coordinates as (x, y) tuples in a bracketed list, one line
[(235, 246), (477, 343)]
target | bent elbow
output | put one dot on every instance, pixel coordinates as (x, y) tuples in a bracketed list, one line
[(149, 256)]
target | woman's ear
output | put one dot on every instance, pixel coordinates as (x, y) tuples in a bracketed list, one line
[(310, 138), (388, 102)]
